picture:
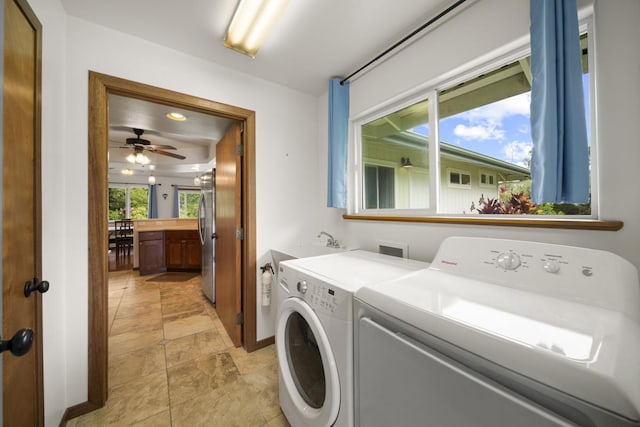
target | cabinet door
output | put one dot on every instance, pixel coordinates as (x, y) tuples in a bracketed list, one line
[(151, 256), (193, 254), (174, 251)]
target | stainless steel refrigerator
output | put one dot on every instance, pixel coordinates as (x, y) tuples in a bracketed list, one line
[(207, 228)]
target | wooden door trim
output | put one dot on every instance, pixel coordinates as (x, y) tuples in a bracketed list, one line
[(100, 86)]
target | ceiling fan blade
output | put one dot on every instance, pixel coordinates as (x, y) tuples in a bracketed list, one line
[(161, 146), (167, 153)]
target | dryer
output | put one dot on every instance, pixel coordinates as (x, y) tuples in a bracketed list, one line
[(314, 334), (501, 333)]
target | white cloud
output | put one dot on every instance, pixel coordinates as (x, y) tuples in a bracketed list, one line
[(478, 132), (496, 112), (486, 122), (518, 152)]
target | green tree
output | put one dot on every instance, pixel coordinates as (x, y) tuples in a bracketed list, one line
[(139, 200), (117, 203)]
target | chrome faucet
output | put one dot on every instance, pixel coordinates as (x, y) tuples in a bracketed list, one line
[(331, 242)]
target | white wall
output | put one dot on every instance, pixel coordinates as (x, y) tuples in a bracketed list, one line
[(489, 26), (286, 175), (55, 225)]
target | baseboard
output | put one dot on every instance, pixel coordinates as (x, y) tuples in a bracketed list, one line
[(77, 410)]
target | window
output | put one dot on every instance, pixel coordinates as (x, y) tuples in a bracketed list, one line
[(379, 187), (189, 200), (459, 178), (487, 179), (128, 201), (470, 136)]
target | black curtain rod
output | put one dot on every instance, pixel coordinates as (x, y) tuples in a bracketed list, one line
[(422, 27)]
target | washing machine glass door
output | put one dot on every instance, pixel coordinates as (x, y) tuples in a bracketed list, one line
[(307, 364)]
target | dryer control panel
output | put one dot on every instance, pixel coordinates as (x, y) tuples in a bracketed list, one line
[(585, 275)]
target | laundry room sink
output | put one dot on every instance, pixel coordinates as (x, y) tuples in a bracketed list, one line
[(303, 251)]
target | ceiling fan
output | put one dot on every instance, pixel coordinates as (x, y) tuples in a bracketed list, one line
[(139, 145)]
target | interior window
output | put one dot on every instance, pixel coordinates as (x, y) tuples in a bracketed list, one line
[(483, 150)]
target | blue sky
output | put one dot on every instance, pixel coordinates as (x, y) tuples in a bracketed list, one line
[(500, 130)]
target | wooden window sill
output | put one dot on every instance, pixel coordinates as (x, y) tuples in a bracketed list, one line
[(571, 224)]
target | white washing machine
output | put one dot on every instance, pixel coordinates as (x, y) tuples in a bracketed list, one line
[(314, 335), (501, 333)]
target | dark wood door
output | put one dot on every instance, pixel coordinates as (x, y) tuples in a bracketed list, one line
[(228, 223), (21, 224)]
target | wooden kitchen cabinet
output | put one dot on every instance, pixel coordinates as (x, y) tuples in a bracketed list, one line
[(183, 250), (151, 252)]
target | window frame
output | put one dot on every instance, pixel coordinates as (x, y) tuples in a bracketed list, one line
[(488, 175), (460, 172), (186, 191), (430, 91)]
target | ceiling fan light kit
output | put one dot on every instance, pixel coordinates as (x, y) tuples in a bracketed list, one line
[(251, 23)]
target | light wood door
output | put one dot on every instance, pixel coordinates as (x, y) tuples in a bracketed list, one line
[(21, 225), (228, 222)]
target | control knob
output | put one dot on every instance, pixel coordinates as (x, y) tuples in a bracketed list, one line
[(508, 260), (551, 266), (302, 286)]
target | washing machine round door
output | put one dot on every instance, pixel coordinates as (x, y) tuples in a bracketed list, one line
[(307, 365)]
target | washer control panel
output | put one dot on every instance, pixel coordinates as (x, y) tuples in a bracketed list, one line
[(323, 297), (586, 275)]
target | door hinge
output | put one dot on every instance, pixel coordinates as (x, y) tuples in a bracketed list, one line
[(240, 149), (240, 234), (240, 318)]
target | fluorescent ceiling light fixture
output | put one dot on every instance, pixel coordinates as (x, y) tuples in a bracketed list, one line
[(251, 23), (178, 117)]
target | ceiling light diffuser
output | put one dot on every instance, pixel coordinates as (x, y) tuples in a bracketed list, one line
[(251, 23)]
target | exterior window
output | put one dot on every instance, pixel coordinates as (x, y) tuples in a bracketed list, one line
[(128, 201), (487, 179), (482, 153), (379, 187), (459, 178), (188, 203)]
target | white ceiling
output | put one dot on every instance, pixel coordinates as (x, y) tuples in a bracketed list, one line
[(194, 138), (313, 41)]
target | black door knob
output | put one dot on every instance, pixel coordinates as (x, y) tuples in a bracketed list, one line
[(35, 285), (19, 344)]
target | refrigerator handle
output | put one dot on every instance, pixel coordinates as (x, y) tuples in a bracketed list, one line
[(201, 220)]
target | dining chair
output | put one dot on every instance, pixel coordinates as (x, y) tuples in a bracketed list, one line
[(124, 237)]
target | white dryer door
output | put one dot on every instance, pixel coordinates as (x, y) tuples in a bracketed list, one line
[(307, 365)]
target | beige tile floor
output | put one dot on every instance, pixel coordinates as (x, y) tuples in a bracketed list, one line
[(172, 364)]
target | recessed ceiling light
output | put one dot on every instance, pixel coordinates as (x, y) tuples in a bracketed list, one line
[(176, 116)]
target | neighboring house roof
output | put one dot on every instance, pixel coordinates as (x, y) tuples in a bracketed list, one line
[(510, 170)]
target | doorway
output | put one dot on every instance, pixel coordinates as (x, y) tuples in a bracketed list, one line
[(100, 86)]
